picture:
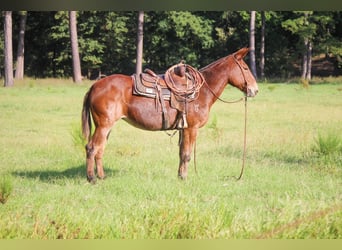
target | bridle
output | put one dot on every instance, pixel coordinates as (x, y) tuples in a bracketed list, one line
[(245, 85)]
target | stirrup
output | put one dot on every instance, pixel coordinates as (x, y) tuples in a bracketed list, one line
[(182, 122)]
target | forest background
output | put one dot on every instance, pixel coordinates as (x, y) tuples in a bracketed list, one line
[(284, 44)]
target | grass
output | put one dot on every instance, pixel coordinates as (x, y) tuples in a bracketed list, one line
[(329, 143), (291, 187), (6, 188)]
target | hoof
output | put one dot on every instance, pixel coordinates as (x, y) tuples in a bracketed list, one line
[(91, 179), (102, 177), (182, 177)]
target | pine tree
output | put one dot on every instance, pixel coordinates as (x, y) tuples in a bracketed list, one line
[(8, 49), (77, 77), (252, 44), (19, 72), (140, 42)]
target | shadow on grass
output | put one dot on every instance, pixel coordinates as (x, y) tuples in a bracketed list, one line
[(78, 172)]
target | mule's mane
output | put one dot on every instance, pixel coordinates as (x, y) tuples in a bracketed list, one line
[(219, 61)]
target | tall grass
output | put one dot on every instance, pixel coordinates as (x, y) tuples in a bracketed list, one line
[(328, 143), (6, 187), (291, 186)]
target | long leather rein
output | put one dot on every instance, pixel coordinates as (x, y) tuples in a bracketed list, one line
[(245, 120)]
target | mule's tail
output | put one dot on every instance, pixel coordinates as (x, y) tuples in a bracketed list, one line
[(86, 117)]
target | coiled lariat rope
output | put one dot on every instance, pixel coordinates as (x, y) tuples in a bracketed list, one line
[(189, 89)]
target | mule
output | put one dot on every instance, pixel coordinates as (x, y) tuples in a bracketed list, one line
[(110, 99)]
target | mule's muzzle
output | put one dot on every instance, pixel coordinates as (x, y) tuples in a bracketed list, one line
[(251, 92)]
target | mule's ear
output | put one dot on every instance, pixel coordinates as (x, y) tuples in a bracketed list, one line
[(241, 53)]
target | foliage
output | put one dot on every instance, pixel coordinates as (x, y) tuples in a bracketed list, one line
[(328, 143), (6, 188), (107, 39), (318, 27), (301, 25), (174, 36), (60, 36), (77, 136)]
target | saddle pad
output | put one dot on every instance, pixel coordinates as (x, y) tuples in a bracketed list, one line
[(148, 88)]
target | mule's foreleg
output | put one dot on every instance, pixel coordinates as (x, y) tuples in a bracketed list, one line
[(187, 140)]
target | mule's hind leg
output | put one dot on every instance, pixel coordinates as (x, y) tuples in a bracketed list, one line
[(187, 138), (100, 152), (90, 162), (95, 150)]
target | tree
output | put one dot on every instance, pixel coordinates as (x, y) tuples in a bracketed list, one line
[(40, 47), (140, 42), (91, 42), (107, 40), (252, 44), (307, 53), (172, 36), (328, 35), (8, 49), (262, 45), (19, 72), (305, 29), (77, 77)]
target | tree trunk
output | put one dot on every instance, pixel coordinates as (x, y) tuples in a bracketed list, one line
[(252, 44), (19, 72), (140, 42), (307, 54), (309, 59), (76, 65), (262, 46), (305, 59), (8, 50)]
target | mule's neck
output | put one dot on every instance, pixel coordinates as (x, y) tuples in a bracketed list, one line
[(216, 76)]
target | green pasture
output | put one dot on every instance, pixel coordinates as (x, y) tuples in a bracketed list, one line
[(291, 188)]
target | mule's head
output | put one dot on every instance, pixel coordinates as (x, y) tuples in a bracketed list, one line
[(241, 76)]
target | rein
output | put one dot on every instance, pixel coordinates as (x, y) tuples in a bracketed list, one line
[(245, 121), (224, 101), (245, 127), (244, 143)]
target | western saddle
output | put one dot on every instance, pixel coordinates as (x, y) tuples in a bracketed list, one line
[(179, 85)]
